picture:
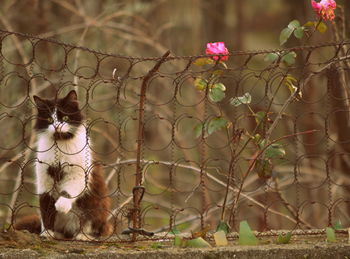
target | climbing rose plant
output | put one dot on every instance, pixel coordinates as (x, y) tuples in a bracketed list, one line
[(267, 153)]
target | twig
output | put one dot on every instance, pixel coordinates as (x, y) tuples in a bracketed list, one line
[(261, 152), (198, 170)]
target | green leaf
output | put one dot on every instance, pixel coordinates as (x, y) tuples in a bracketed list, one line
[(216, 94), (259, 116), (299, 32), (271, 57), (289, 81), (200, 84), (285, 34), (257, 138), (275, 151), (337, 225), (262, 143), (246, 235), (178, 241), (203, 61), (294, 24), (322, 27), (264, 168), (284, 238), (216, 124), (237, 101), (330, 235), (220, 86), (198, 242), (198, 129), (220, 238), (175, 231), (223, 226), (309, 24), (218, 72), (289, 58)]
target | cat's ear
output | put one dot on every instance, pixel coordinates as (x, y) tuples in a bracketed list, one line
[(72, 96), (38, 101)]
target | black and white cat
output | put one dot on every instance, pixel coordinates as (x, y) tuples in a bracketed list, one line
[(71, 188)]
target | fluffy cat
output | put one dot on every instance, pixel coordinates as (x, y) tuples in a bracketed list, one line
[(72, 191)]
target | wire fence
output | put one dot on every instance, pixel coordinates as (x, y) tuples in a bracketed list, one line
[(166, 163)]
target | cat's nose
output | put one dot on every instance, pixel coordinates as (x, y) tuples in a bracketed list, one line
[(58, 127)]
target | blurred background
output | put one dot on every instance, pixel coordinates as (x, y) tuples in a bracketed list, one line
[(185, 175), (150, 27)]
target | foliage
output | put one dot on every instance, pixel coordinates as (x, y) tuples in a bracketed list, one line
[(223, 226), (246, 235), (220, 238), (330, 234), (284, 238)]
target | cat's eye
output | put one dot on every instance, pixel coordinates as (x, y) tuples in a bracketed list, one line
[(50, 120), (65, 118)]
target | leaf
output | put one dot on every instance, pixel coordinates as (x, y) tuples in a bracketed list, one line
[(309, 24), (216, 94), (299, 32), (289, 58), (262, 143), (284, 238), (257, 138), (218, 72), (198, 242), (203, 61), (289, 81), (178, 241), (330, 235), (259, 116), (198, 129), (223, 226), (220, 86), (220, 238), (175, 231), (216, 124), (275, 151), (264, 168), (237, 101), (322, 27), (294, 24), (246, 235), (271, 57), (285, 34), (337, 225), (200, 84)]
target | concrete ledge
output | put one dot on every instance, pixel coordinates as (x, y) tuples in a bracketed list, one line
[(269, 251), (24, 245)]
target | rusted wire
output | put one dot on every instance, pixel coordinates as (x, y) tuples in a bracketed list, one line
[(147, 126)]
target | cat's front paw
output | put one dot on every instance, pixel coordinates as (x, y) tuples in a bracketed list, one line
[(63, 205)]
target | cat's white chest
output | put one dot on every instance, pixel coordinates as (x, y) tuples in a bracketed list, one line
[(72, 154)]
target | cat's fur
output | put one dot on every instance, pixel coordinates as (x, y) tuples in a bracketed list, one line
[(72, 191)]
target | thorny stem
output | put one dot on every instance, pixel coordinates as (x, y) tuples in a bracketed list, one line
[(251, 167), (218, 181)]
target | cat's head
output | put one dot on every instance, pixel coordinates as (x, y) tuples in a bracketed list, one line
[(60, 116)]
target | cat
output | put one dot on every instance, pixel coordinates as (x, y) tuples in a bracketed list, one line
[(72, 191)]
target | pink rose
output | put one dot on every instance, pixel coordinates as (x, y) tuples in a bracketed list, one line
[(324, 9), (217, 48)]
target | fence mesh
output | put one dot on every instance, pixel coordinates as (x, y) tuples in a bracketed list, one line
[(165, 161)]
